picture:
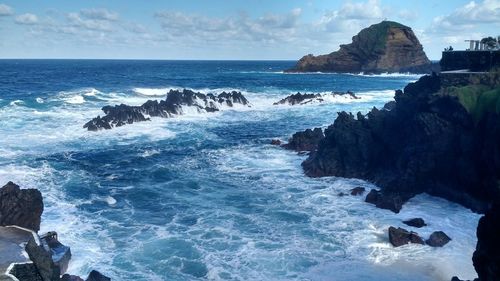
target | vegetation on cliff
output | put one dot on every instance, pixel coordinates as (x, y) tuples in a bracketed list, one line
[(384, 47)]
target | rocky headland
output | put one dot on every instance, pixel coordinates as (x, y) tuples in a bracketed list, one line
[(384, 47), (176, 103), (438, 138)]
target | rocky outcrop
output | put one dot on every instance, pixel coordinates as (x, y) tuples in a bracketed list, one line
[(357, 191), (400, 236), (438, 239), (384, 47), (42, 259), (302, 99), (385, 200), (21, 207), (415, 222), (486, 258), (176, 103), (429, 142), (305, 141), (97, 276)]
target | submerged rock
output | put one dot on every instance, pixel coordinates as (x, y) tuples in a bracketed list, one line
[(357, 191), (276, 142), (302, 99), (416, 222), (175, 104), (21, 207), (384, 47), (438, 239), (400, 236), (305, 141)]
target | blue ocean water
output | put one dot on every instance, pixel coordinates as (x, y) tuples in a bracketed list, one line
[(205, 196)]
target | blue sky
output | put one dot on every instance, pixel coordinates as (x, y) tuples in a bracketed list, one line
[(237, 29)]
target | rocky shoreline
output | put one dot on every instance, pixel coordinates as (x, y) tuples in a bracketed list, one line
[(48, 259), (441, 140)]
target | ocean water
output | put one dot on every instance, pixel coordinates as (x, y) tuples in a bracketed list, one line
[(205, 196)]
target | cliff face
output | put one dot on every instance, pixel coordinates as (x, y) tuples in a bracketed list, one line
[(383, 47), (445, 142)]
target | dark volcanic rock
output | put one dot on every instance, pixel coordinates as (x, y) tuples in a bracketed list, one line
[(305, 141), (427, 143), (486, 258), (21, 207), (416, 222), (25, 272), (97, 276), (67, 277), (42, 260), (383, 47), (389, 201), (174, 104), (357, 191), (438, 239), (400, 236), (301, 99), (276, 142)]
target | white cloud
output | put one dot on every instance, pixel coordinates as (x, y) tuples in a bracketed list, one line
[(99, 14), (361, 10), (5, 10), (27, 19), (469, 15)]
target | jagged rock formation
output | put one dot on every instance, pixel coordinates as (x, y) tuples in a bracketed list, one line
[(21, 207), (384, 47), (175, 104), (429, 142), (301, 99), (305, 141)]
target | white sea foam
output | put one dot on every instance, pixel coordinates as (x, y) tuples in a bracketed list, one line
[(39, 100), (77, 99), (16, 103)]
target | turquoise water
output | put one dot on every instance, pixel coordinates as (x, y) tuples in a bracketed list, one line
[(205, 196)]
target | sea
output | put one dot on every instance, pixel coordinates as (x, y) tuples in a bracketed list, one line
[(205, 196)]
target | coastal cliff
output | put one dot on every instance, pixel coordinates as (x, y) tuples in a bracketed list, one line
[(437, 138), (384, 47)]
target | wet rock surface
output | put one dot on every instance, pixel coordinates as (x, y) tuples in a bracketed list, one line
[(21, 207), (302, 99), (175, 104)]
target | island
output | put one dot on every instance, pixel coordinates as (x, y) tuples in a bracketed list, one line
[(383, 47)]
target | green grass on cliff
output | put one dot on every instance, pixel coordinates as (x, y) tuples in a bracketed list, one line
[(375, 36), (478, 99)]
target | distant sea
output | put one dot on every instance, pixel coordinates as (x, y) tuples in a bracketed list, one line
[(205, 196)]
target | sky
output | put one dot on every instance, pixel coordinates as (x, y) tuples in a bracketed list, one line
[(227, 29)]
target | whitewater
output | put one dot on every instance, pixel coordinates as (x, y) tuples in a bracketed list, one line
[(204, 196)]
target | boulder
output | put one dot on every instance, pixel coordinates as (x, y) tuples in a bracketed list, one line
[(415, 222), (24, 272), (42, 259), (95, 275), (305, 141), (68, 277), (21, 207), (276, 142), (357, 191), (381, 200), (400, 236), (438, 239)]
